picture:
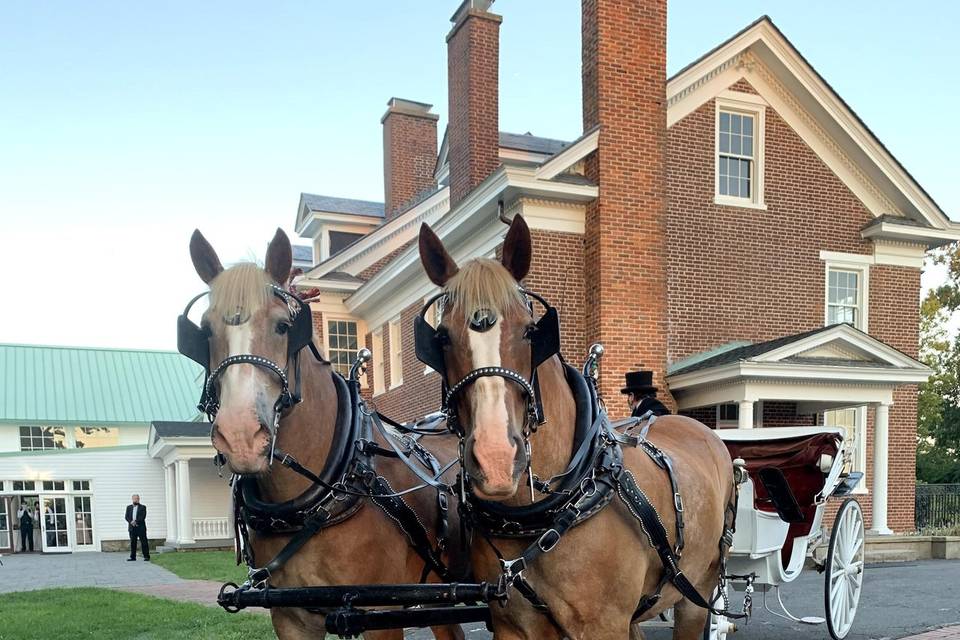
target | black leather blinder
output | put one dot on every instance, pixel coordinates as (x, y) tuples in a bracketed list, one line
[(193, 341)]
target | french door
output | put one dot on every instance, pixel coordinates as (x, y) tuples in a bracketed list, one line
[(83, 522), (56, 524), (6, 537)]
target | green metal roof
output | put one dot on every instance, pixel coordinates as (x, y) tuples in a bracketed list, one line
[(87, 385)]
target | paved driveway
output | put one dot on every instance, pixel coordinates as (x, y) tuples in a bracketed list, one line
[(26, 572), (898, 600)]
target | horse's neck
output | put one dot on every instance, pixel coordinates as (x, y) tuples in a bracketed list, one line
[(306, 432), (551, 447)]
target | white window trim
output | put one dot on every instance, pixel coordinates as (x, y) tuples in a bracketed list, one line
[(396, 363), (860, 463), (848, 262), (734, 424), (744, 103), (361, 332), (379, 382)]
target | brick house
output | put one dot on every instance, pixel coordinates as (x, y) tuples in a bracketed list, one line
[(736, 228)]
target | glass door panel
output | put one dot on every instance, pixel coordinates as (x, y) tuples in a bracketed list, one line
[(56, 536), (5, 542), (83, 521)]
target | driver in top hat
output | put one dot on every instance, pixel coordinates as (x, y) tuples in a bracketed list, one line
[(642, 395)]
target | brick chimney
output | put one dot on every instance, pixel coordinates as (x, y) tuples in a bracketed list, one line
[(625, 258), (409, 151), (473, 58)]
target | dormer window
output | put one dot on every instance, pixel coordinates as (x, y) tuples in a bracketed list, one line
[(739, 152)]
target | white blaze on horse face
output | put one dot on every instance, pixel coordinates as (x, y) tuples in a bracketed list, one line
[(237, 419), (492, 447)]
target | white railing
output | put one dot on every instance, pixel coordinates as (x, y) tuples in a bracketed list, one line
[(211, 528)]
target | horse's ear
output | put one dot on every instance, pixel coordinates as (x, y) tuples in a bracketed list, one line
[(517, 249), (205, 259), (438, 264), (279, 258)]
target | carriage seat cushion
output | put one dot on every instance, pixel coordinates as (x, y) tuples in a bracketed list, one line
[(799, 462), (778, 489)]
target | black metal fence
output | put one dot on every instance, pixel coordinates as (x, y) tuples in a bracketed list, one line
[(937, 505)]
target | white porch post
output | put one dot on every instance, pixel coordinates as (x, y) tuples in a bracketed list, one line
[(185, 524), (170, 493), (881, 435), (746, 415)]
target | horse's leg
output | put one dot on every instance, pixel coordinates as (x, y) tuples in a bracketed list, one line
[(290, 625), (688, 621), (450, 632), (636, 632)]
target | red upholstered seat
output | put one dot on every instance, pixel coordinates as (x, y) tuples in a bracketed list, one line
[(799, 461)]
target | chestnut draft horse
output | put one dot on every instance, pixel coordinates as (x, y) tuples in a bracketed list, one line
[(251, 325), (603, 574)]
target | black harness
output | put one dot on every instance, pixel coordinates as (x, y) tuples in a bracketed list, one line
[(594, 476), (349, 473)]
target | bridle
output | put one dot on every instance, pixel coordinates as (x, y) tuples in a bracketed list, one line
[(431, 342), (194, 342)]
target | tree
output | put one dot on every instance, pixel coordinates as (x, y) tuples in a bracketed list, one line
[(938, 409)]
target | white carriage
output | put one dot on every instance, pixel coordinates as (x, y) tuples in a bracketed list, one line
[(791, 473)]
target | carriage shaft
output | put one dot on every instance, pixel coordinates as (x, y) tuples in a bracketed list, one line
[(373, 595)]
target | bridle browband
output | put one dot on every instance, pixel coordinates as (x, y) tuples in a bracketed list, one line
[(194, 342), (430, 343)]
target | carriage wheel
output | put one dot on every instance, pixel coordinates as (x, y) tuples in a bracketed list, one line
[(844, 569), (717, 627)]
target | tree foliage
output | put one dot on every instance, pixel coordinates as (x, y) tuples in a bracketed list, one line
[(938, 410)]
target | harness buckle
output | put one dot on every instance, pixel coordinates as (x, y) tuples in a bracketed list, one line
[(442, 501), (546, 543), (678, 502)]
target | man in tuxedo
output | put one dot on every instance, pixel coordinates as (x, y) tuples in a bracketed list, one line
[(642, 395), (137, 522), (26, 526)]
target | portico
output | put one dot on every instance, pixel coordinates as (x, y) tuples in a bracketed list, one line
[(197, 499), (835, 367)]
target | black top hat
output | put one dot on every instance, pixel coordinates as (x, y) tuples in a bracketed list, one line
[(639, 382)]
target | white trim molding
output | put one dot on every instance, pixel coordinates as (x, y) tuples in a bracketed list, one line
[(859, 264), (736, 102)]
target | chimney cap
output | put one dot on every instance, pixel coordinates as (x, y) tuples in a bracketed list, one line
[(409, 108), (470, 5)]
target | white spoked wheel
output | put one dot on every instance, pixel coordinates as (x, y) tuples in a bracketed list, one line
[(718, 627), (844, 569)]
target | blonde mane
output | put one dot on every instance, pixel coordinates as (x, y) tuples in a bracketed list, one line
[(241, 289), (483, 283)]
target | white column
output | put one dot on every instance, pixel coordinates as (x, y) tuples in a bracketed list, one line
[(185, 523), (746, 415), (170, 493), (881, 436)]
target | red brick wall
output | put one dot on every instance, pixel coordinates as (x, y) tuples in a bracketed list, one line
[(473, 59), (624, 91), (419, 394), (556, 273), (784, 414), (409, 157), (747, 274)]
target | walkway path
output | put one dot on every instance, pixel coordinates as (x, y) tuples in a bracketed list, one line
[(31, 571)]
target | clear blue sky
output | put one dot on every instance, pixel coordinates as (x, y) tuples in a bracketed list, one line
[(125, 125)]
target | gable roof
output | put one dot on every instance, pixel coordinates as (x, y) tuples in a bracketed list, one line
[(839, 352), (762, 55), (332, 204), (94, 386)]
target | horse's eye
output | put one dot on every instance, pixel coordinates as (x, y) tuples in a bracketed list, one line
[(282, 328)]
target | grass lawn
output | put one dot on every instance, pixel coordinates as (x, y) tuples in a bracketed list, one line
[(105, 613), (202, 565)]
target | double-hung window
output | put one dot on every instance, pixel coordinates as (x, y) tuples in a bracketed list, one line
[(739, 151), (843, 297), (342, 344)]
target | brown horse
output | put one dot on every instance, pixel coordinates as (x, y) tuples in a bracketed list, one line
[(245, 318), (593, 580)]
